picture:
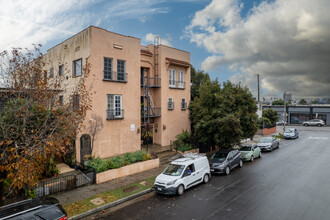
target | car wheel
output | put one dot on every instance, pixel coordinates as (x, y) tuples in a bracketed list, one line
[(278, 145), (306, 125), (180, 190), (206, 178), (259, 154), (240, 164), (319, 125), (227, 171), (271, 148), (251, 159)]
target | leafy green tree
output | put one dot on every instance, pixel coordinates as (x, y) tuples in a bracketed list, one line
[(197, 79), (278, 102), (223, 116), (263, 122), (271, 115), (316, 101), (302, 102)]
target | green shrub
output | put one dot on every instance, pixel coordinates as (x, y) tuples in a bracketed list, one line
[(263, 123), (184, 147), (280, 136), (101, 165), (184, 142)]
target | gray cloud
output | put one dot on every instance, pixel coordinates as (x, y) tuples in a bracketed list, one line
[(286, 42)]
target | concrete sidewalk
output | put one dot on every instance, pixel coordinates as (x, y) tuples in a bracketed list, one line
[(91, 190)]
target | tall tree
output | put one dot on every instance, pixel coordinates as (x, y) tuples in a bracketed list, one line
[(271, 115), (223, 116), (302, 102), (197, 79), (36, 126), (278, 102)]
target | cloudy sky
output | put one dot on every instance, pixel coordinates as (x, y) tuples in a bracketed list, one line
[(286, 42)]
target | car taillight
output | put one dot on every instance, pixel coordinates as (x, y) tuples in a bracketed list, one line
[(64, 218)]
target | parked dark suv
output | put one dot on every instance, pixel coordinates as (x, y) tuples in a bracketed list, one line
[(224, 161), (47, 208)]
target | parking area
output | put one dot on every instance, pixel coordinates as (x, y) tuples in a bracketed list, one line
[(289, 183)]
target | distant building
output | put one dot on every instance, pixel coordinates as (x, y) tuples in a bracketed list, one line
[(297, 114)]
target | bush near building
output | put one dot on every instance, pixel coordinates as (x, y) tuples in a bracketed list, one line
[(101, 165)]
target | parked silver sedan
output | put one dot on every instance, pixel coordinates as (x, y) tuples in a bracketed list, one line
[(315, 122), (268, 144), (291, 133)]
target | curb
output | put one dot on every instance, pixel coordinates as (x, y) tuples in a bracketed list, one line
[(112, 204)]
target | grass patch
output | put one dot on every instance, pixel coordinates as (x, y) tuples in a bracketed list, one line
[(280, 136), (110, 196)]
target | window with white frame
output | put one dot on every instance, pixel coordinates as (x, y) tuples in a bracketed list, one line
[(172, 78), (107, 68), (170, 104), (121, 70), (77, 67), (181, 79), (114, 106)]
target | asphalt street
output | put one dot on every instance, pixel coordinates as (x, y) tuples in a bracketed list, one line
[(292, 182)]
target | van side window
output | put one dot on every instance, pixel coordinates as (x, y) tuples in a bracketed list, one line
[(192, 167)]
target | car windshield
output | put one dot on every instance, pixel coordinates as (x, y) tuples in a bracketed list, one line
[(173, 170), (265, 140), (245, 148), (289, 131), (219, 156)]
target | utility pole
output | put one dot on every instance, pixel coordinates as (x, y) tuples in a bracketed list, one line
[(258, 88), (284, 111)]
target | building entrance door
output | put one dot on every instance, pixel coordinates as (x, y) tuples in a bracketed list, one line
[(85, 146)]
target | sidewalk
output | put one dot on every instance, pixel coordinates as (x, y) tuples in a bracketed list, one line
[(85, 192)]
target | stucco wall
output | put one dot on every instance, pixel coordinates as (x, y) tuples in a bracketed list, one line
[(174, 121), (126, 170), (118, 135)]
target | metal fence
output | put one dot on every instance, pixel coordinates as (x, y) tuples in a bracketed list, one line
[(83, 176)]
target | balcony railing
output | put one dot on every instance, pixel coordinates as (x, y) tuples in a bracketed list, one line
[(115, 114), (151, 81), (170, 105), (114, 76), (177, 84), (183, 106), (152, 112)]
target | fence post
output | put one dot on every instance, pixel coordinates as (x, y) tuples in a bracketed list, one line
[(75, 181), (94, 175)]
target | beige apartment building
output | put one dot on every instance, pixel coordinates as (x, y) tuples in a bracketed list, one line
[(130, 84)]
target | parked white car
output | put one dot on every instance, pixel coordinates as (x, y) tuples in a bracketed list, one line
[(182, 174)]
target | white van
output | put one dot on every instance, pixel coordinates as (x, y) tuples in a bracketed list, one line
[(182, 174)]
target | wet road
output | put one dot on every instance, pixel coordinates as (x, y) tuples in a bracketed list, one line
[(292, 182)]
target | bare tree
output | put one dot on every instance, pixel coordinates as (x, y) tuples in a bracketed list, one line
[(35, 125), (96, 125)]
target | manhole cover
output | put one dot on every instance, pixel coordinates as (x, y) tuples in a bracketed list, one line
[(97, 201), (130, 189)]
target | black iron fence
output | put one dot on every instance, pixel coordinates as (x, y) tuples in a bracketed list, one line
[(84, 175)]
